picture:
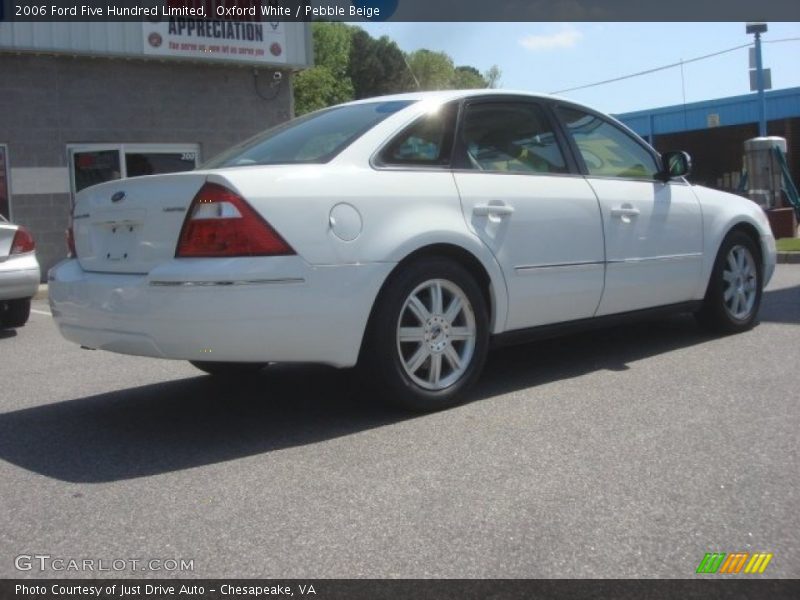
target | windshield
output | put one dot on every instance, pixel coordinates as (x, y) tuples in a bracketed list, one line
[(314, 138)]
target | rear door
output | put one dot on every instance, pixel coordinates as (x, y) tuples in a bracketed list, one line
[(653, 228), (540, 219)]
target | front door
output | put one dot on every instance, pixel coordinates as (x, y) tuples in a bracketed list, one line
[(653, 229)]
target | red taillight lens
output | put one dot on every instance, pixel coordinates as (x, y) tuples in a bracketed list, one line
[(221, 223), (23, 242)]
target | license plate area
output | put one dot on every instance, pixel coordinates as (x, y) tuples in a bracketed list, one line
[(117, 240)]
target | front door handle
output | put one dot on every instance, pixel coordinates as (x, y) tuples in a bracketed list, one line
[(626, 210), (492, 210)]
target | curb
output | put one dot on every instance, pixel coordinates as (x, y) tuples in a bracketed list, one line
[(792, 258)]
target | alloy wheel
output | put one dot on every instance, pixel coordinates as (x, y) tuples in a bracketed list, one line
[(740, 281), (436, 334)]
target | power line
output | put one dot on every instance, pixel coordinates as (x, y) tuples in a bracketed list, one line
[(655, 70), (797, 39), (672, 66)]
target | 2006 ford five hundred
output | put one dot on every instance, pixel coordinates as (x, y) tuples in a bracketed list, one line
[(406, 233)]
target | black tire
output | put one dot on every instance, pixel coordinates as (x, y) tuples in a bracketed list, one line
[(227, 369), (719, 314), (386, 361), (15, 313)]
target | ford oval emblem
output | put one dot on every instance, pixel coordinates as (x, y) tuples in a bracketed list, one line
[(118, 197)]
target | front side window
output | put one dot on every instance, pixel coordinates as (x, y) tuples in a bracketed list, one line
[(313, 138), (429, 141), (511, 136), (607, 150)]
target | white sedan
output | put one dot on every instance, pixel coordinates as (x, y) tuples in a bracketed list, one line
[(404, 234), (19, 274)]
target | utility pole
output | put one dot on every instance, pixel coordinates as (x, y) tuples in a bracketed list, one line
[(758, 29)]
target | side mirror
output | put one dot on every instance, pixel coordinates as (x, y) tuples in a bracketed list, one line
[(676, 164)]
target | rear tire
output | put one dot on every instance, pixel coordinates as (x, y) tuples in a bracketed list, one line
[(428, 336), (227, 369), (15, 313), (733, 296)]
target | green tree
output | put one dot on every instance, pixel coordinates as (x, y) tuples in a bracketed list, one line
[(377, 66), (468, 78), (492, 76), (328, 82), (432, 70)]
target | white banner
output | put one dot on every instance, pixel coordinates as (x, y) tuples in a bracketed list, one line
[(233, 41)]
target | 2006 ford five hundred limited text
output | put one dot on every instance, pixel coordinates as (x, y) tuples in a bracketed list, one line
[(404, 233)]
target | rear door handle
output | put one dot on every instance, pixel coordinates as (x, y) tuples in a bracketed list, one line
[(625, 211), (492, 210)]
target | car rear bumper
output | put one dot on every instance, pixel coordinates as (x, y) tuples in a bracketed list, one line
[(19, 277), (207, 309)]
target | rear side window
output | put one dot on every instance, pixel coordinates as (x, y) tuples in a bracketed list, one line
[(607, 150), (428, 141), (314, 138), (511, 136)]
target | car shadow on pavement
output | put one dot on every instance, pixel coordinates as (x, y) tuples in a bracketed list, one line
[(186, 423), (781, 306), (613, 349), (7, 333)]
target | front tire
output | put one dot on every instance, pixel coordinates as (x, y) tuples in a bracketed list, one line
[(227, 369), (733, 296), (15, 313), (428, 336)]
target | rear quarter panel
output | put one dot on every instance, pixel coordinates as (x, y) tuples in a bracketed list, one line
[(400, 211)]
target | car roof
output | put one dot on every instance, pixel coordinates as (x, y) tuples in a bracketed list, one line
[(445, 95), (448, 95)]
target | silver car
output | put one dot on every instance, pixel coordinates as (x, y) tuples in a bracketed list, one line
[(19, 274)]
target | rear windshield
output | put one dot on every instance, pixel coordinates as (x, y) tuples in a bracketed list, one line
[(314, 138)]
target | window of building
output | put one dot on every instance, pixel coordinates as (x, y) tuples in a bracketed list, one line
[(5, 188), (607, 150), (91, 164)]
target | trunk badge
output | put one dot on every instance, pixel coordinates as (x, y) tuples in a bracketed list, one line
[(118, 197)]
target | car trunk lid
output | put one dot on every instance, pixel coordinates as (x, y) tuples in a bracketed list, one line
[(7, 232), (131, 225)]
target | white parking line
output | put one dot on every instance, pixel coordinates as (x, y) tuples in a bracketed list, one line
[(41, 312)]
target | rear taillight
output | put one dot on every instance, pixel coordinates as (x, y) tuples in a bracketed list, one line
[(70, 237), (221, 223), (23, 242)]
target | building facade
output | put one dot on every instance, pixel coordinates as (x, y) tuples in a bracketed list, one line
[(713, 132), (83, 103)]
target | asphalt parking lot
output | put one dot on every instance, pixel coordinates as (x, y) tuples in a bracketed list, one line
[(629, 452)]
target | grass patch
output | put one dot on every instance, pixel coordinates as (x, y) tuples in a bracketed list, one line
[(788, 245)]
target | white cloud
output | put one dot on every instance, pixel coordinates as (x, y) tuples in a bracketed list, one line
[(562, 39)]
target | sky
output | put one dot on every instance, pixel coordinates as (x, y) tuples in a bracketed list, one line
[(549, 57)]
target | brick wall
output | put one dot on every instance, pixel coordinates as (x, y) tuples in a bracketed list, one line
[(48, 102)]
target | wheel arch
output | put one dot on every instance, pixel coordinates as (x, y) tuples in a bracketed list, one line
[(750, 231), (489, 278)]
